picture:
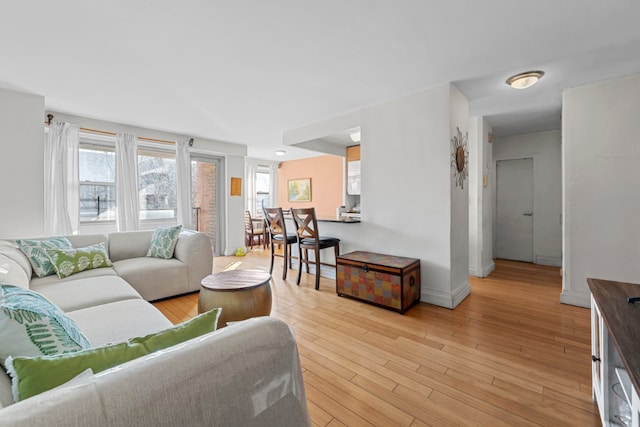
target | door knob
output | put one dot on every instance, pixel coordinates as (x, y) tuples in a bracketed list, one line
[(528, 213)]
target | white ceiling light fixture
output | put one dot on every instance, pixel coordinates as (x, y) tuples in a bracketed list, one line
[(525, 80), (281, 153), (355, 136)]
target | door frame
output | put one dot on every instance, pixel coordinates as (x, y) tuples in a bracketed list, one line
[(203, 156), (494, 195)]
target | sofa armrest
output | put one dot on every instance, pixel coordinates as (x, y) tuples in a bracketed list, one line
[(247, 374), (194, 249)]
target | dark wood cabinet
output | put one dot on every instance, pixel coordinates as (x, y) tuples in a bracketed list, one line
[(615, 345)]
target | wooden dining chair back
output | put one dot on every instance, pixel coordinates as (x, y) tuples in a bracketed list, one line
[(250, 232), (309, 239), (277, 229)]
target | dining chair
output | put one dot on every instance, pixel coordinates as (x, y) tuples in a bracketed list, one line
[(277, 230), (308, 238), (250, 232)]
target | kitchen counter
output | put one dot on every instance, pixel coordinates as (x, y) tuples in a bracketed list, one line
[(343, 219)]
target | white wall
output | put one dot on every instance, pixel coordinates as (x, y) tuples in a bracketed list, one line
[(545, 149), (459, 228), (480, 207), (201, 145), (21, 164), (406, 196), (487, 203), (601, 154), (234, 221)]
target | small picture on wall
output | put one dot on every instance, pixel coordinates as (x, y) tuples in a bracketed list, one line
[(300, 190)]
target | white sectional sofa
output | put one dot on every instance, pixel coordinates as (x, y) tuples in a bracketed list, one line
[(152, 278), (246, 374)]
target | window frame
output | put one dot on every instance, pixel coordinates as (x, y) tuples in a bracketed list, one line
[(165, 151), (264, 170), (88, 141)]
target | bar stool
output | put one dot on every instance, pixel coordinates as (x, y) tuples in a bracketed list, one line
[(274, 221), (308, 238)]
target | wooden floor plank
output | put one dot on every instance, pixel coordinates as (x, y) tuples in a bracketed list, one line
[(509, 354)]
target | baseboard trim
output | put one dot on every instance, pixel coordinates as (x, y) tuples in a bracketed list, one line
[(444, 299), (325, 270), (549, 260), (489, 269), (477, 271), (580, 299)]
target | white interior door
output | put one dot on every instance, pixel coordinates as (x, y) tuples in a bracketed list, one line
[(514, 209)]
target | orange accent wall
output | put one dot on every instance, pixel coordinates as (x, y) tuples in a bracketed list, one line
[(326, 175)]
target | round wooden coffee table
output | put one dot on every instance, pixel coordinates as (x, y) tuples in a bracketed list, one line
[(241, 294)]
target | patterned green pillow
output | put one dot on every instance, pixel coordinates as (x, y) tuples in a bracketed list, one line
[(34, 375), (30, 325), (74, 260), (163, 242), (35, 250)]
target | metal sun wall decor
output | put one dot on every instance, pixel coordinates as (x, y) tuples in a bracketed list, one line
[(459, 157)]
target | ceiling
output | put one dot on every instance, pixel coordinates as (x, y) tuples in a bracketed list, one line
[(245, 71)]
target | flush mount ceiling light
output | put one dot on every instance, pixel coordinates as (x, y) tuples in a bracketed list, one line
[(355, 136), (281, 152), (525, 80)]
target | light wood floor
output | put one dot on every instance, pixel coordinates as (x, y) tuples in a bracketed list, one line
[(509, 355)]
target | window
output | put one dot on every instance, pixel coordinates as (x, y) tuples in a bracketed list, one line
[(157, 184), (97, 175), (97, 172), (263, 183)]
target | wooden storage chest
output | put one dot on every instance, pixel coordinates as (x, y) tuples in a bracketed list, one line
[(384, 280)]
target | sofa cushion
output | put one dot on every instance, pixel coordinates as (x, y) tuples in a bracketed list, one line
[(34, 375), (119, 321), (154, 278), (9, 249), (129, 244), (12, 273), (163, 242), (30, 325), (71, 295), (6, 397), (98, 272), (82, 240), (35, 250), (68, 261)]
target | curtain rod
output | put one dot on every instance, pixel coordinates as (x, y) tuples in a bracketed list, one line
[(104, 132)]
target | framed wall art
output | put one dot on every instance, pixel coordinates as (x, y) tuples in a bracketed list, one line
[(299, 190)]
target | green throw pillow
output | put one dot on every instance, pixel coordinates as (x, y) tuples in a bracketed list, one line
[(30, 325), (35, 250), (34, 375), (163, 242), (74, 260)]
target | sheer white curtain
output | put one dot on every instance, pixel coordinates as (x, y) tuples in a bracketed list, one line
[(250, 169), (127, 182), (61, 192), (183, 182), (273, 185)]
